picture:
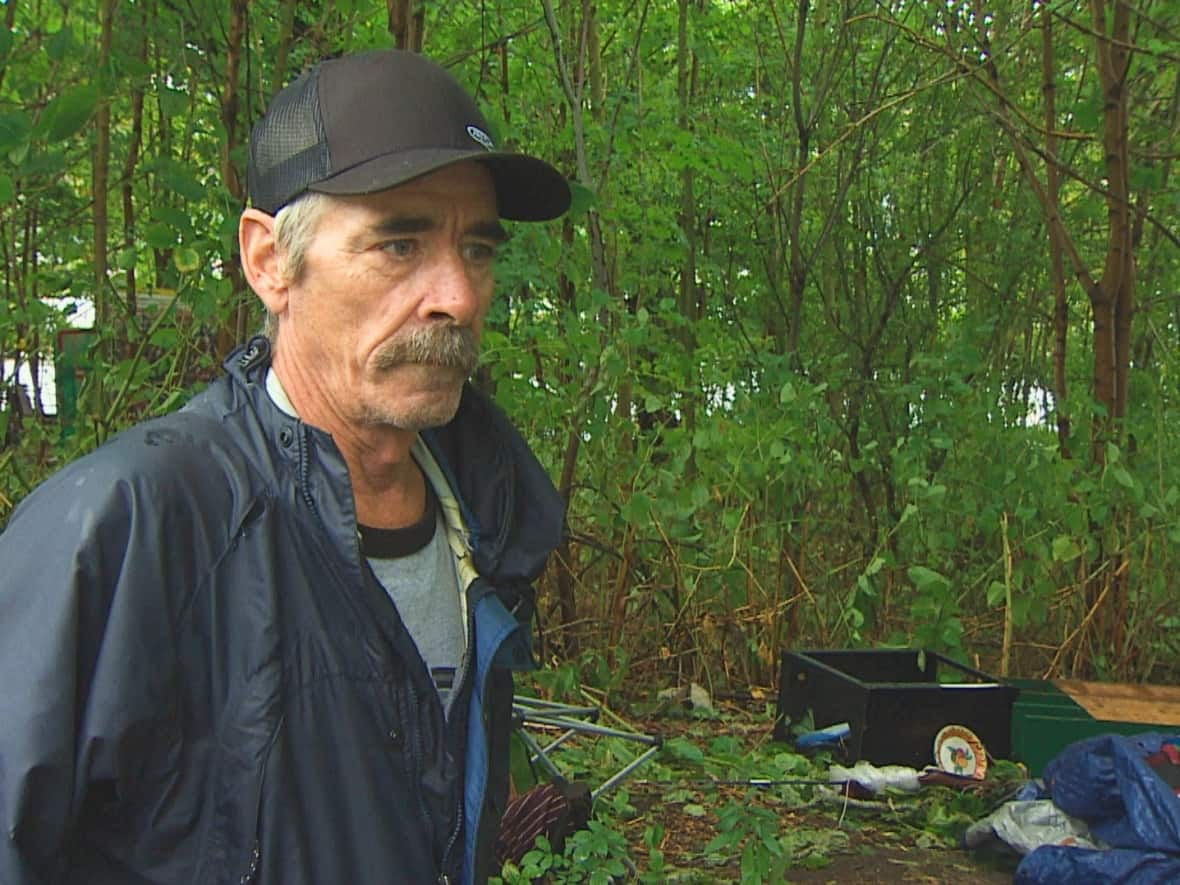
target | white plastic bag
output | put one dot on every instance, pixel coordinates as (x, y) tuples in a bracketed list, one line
[(876, 778)]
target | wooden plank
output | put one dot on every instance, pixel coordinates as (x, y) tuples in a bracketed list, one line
[(1120, 702)]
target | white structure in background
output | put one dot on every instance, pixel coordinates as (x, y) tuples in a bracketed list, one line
[(79, 315)]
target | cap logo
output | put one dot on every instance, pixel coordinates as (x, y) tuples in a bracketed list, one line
[(482, 137)]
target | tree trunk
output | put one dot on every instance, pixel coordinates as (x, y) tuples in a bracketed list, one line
[(1056, 251), (599, 280), (406, 20), (283, 46), (686, 76), (798, 272), (233, 330), (1112, 302), (129, 167), (102, 160), (1113, 297)]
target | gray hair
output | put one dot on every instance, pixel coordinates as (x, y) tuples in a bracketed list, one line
[(295, 226)]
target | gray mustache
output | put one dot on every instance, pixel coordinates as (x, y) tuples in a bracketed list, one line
[(451, 347)]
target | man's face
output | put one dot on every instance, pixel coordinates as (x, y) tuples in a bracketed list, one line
[(382, 326)]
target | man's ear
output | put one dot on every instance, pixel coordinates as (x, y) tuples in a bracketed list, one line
[(260, 259)]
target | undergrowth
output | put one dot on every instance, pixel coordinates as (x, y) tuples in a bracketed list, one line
[(724, 802)]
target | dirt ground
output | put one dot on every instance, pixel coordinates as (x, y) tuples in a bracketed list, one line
[(834, 845), (864, 853), (883, 864)]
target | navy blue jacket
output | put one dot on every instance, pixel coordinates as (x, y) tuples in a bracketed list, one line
[(201, 681)]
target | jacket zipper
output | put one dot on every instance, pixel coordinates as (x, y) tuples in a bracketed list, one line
[(465, 668), (255, 865), (255, 861)]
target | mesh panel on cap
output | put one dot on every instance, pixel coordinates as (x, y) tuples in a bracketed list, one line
[(289, 148)]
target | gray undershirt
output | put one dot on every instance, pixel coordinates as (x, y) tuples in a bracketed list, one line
[(425, 590), (423, 586)]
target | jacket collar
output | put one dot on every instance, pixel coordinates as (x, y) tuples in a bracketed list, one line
[(513, 513)]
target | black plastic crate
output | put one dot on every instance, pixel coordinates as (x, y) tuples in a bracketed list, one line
[(895, 702)]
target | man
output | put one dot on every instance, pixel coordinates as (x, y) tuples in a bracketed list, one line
[(268, 638)]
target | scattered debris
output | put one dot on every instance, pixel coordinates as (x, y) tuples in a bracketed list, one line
[(1026, 825), (876, 779), (691, 698)]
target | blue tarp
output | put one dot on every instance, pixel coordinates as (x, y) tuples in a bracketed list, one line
[(1107, 782)]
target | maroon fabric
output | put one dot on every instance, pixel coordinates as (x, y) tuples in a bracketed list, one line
[(552, 810), (1166, 763)]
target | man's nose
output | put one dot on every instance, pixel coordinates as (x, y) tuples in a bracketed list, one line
[(455, 291)]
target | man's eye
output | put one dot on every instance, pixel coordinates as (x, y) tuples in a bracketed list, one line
[(479, 253), (400, 248)]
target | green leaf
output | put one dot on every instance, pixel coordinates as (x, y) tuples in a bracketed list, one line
[(180, 180), (7, 189), (68, 113), (159, 236), (926, 578), (787, 393), (173, 102), (581, 198), (5, 45), (1065, 549), (60, 44), (45, 163), (176, 220), (186, 259), (682, 748), (19, 152), (1147, 178), (1122, 476), (637, 509), (15, 127), (996, 593), (1089, 112)]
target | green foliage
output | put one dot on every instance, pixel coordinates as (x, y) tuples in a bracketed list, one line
[(752, 833), (67, 113), (596, 855), (793, 349), (767, 811)]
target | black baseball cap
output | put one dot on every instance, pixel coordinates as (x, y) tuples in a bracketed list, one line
[(368, 122)]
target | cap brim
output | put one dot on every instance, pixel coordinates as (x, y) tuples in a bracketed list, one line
[(527, 189)]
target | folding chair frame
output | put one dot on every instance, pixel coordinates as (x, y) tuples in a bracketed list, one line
[(573, 721)]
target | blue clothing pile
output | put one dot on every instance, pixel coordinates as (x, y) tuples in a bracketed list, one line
[(1115, 784)]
